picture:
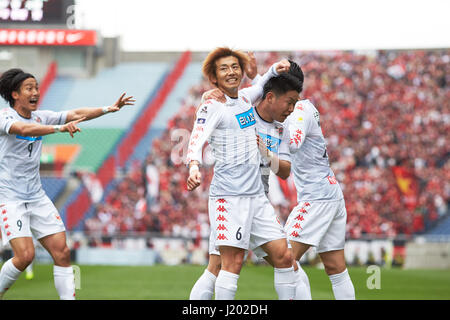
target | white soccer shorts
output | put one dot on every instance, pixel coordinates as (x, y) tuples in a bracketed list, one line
[(242, 222), (320, 224), (25, 219)]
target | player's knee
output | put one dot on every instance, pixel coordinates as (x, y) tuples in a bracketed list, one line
[(282, 259), (62, 256), (25, 257), (334, 268), (214, 266), (286, 259), (233, 265)]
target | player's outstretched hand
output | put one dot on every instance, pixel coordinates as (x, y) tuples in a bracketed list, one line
[(251, 69), (215, 94), (128, 101), (283, 66), (194, 179), (71, 127)]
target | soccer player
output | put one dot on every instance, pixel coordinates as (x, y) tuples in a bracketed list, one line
[(25, 209), (319, 219), (241, 217), (279, 97)]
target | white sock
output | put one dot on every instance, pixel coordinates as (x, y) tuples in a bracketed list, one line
[(342, 286), (284, 279), (8, 275), (226, 285), (64, 282), (303, 289), (204, 287)]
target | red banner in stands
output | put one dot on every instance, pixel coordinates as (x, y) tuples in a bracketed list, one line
[(47, 37)]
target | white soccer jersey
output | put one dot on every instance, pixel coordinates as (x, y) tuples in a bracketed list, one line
[(230, 130), (20, 156), (313, 177), (276, 137)]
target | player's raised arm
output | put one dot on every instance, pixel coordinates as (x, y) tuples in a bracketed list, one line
[(92, 113), (251, 68), (256, 90), (36, 130)]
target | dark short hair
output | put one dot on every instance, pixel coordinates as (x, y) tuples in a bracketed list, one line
[(11, 81), (286, 81)]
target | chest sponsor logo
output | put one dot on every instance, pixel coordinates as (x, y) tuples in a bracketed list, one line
[(246, 119), (272, 143)]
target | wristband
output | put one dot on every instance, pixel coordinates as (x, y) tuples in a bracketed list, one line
[(105, 109), (57, 128), (193, 168)]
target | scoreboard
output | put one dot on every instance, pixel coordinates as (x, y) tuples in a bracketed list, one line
[(35, 11)]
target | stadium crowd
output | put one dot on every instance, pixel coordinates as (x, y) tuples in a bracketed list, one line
[(386, 117)]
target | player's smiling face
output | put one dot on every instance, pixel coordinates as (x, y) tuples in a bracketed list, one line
[(228, 75), (27, 97), (283, 105)]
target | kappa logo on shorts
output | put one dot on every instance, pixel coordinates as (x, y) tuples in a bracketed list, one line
[(297, 226), (299, 218), (4, 211), (294, 234), (221, 201), (221, 236), (221, 227), (221, 218), (221, 209), (302, 210)]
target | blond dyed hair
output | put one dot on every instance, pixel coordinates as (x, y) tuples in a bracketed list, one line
[(209, 64)]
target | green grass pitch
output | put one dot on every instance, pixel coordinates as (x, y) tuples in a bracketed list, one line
[(256, 283)]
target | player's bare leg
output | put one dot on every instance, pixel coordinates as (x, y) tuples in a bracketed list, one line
[(303, 290), (56, 245), (203, 289), (336, 269), (284, 276), (226, 283), (214, 264), (23, 249)]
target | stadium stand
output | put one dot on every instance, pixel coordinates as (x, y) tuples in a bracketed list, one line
[(53, 187), (80, 207), (386, 118)]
